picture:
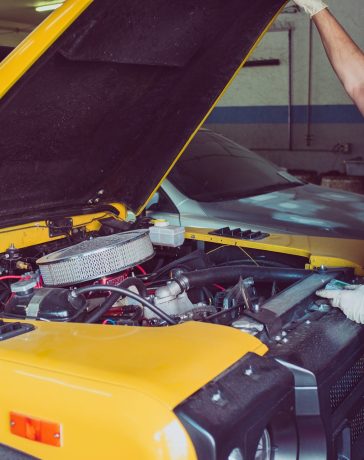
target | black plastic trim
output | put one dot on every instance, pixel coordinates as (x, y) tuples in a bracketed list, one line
[(233, 410), (239, 234), (8, 330)]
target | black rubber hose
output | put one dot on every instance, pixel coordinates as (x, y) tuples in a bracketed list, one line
[(127, 293), (183, 262), (159, 265), (114, 296), (226, 275), (251, 263)]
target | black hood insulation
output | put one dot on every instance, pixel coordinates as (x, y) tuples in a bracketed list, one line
[(112, 103)]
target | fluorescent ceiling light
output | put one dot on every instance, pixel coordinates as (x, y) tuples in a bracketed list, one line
[(49, 7)]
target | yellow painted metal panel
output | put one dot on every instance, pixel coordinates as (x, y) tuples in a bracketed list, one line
[(162, 362), (113, 389), (331, 252), (34, 233), (140, 210), (14, 66), (98, 421)]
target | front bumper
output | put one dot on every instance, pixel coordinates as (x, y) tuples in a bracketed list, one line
[(232, 413)]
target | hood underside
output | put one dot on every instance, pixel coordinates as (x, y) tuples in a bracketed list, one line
[(112, 103)]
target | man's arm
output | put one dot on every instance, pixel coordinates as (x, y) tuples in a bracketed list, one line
[(345, 56)]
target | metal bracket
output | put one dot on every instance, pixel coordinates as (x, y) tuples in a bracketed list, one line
[(60, 227), (276, 311)]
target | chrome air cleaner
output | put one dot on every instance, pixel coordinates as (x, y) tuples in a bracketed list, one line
[(95, 258)]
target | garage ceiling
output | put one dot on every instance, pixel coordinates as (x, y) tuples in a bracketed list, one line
[(22, 11)]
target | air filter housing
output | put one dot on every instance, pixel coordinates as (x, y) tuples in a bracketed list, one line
[(93, 259)]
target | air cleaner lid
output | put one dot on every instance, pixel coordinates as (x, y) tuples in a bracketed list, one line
[(95, 258)]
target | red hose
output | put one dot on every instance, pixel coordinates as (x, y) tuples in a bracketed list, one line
[(217, 286), (141, 269), (14, 277)]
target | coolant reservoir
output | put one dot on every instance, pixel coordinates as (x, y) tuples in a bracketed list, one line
[(164, 234)]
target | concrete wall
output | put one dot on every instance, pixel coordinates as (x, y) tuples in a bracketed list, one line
[(254, 111)]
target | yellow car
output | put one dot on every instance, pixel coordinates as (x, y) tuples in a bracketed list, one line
[(144, 340)]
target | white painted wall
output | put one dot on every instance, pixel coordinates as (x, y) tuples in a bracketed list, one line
[(269, 87), (12, 33), (263, 86)]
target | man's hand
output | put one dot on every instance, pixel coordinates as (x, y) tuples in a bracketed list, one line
[(311, 7), (350, 300)]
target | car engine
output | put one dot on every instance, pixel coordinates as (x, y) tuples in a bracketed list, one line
[(119, 277), (123, 279)]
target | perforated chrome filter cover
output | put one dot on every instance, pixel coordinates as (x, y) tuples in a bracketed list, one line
[(95, 258)]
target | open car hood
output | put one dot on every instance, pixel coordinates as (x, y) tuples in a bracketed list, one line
[(115, 100)]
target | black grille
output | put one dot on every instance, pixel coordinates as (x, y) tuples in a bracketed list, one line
[(345, 385), (357, 425)]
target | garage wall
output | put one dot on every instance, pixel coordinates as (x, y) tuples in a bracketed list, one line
[(255, 110), (326, 128), (12, 33)]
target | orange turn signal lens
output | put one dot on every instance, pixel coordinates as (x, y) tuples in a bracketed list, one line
[(36, 430)]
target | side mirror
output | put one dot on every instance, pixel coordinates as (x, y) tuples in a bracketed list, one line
[(130, 216), (153, 201)]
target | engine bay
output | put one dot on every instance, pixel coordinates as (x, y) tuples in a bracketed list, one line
[(119, 277), (122, 275)]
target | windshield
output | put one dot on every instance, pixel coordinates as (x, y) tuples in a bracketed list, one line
[(214, 168)]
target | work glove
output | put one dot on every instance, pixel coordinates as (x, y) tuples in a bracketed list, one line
[(350, 300), (311, 7)]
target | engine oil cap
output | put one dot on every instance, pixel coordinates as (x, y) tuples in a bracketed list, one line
[(23, 287)]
